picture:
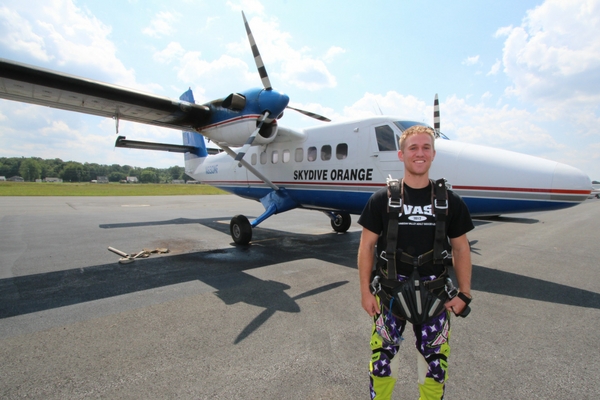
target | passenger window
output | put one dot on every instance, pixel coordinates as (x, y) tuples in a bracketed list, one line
[(341, 151), (299, 154), (263, 157), (312, 154), (253, 158), (286, 156), (275, 157), (386, 139), (326, 152)]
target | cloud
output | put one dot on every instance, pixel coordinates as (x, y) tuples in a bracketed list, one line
[(285, 64), (392, 103), (207, 76), (64, 36), (17, 34), (308, 73), (495, 68), (332, 53), (554, 56), (173, 51), (162, 24), (471, 61)]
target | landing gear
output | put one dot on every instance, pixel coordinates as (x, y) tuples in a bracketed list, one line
[(241, 230), (340, 221)]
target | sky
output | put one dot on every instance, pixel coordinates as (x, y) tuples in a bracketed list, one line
[(523, 75)]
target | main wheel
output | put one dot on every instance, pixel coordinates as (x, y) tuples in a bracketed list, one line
[(240, 229), (342, 221)]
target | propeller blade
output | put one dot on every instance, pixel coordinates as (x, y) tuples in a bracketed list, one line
[(262, 71), (310, 114), (436, 119), (251, 138), (436, 116)]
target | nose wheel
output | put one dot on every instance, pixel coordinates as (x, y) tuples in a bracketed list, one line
[(240, 229), (340, 221)]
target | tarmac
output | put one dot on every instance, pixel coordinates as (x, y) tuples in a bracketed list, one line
[(280, 318)]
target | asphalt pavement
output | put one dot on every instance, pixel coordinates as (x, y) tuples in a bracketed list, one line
[(280, 318)]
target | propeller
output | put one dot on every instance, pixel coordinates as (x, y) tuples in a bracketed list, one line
[(310, 114), (264, 76), (436, 118), (251, 138)]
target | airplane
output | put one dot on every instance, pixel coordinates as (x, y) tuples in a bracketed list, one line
[(333, 167)]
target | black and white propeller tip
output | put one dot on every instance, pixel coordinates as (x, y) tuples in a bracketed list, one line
[(264, 76)]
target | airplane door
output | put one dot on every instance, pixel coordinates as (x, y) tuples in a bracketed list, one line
[(384, 151), (241, 174)]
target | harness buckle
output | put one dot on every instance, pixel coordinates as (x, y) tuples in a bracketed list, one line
[(383, 255), (393, 184), (394, 205), (441, 204), (375, 285), (417, 260), (450, 289)]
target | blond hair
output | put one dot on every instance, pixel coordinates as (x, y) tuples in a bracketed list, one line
[(415, 130)]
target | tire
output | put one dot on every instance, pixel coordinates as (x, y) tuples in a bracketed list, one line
[(342, 221), (240, 229)]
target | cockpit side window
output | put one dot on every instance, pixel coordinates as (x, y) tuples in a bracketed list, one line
[(386, 138)]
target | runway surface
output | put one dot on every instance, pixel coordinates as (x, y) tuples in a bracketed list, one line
[(280, 318)]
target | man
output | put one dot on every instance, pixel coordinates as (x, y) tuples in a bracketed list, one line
[(416, 235)]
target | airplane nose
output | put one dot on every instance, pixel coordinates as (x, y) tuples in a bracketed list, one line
[(273, 101), (570, 184)]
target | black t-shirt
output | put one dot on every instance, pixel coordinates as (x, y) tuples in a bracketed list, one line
[(416, 224)]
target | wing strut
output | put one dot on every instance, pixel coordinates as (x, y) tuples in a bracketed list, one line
[(260, 176)]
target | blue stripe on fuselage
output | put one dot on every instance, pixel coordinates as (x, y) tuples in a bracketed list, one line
[(354, 202)]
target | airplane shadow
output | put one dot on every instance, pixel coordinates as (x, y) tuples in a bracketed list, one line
[(177, 221), (479, 221), (222, 270), (510, 284)]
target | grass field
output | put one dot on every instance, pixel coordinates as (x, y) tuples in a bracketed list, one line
[(110, 189)]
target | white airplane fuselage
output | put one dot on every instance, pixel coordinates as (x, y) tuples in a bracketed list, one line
[(338, 166)]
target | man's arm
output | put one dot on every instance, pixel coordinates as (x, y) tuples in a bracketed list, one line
[(366, 254), (461, 258)]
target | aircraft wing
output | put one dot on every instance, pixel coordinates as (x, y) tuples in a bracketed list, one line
[(30, 84)]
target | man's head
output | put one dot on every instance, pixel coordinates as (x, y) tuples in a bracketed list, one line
[(415, 130), (417, 152)]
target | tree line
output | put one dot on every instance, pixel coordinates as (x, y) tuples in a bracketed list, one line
[(33, 168)]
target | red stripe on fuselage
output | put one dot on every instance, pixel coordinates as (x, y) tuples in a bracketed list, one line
[(456, 187), (232, 120), (526, 190)]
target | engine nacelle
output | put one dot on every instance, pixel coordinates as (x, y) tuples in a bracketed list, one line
[(236, 131)]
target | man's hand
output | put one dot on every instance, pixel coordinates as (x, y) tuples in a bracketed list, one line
[(370, 304), (366, 253), (456, 305)]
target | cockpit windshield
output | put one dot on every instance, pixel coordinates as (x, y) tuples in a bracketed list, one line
[(404, 125)]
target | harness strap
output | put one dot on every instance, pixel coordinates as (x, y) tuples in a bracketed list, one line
[(439, 200), (440, 203), (434, 284), (394, 211)]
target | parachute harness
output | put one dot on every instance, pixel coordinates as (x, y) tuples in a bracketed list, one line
[(414, 299)]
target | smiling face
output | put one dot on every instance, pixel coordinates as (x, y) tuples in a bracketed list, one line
[(417, 154)]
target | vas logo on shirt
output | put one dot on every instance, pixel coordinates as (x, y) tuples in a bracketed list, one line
[(417, 213)]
